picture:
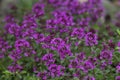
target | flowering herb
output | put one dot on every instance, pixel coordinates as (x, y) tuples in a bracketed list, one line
[(60, 40)]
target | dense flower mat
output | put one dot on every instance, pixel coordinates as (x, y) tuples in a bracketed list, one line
[(61, 40)]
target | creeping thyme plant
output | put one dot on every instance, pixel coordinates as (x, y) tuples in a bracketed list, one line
[(60, 40)]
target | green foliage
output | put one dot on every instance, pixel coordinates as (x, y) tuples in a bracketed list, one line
[(118, 31), (24, 6), (17, 76)]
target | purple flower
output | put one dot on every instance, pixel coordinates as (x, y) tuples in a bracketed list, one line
[(80, 57), (46, 43), (64, 50), (103, 65), (15, 67), (118, 68), (75, 7), (29, 24), (92, 30), (15, 55), (25, 47), (51, 24), (38, 9), (29, 52), (48, 59), (1, 55), (105, 46), (29, 16), (13, 28), (111, 44), (84, 22), (91, 39), (37, 59), (89, 78), (77, 74), (28, 33), (4, 46), (117, 78), (21, 43), (118, 44), (38, 37), (48, 39), (56, 70), (97, 13), (74, 64), (42, 75), (46, 46), (56, 42), (78, 32), (88, 65), (56, 3), (106, 54), (63, 18), (9, 19)]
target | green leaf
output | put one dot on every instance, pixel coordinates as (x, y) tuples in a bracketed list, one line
[(118, 31), (7, 72), (96, 27), (75, 78), (23, 72)]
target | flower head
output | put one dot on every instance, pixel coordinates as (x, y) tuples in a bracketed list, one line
[(38, 9), (117, 78), (78, 32), (56, 70), (106, 54), (48, 59), (91, 39), (42, 75)]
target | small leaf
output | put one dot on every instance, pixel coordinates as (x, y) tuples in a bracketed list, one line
[(7, 72), (118, 31)]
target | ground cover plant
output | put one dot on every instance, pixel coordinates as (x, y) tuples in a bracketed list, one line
[(60, 40)]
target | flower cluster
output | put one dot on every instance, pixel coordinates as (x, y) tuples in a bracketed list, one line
[(4, 47), (91, 39), (60, 39)]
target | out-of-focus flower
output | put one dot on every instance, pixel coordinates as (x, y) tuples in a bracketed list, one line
[(48, 59), (63, 18), (42, 75), (80, 57), (38, 9), (106, 54), (117, 78), (21, 43), (15, 68), (91, 39), (78, 32), (56, 70), (13, 28), (38, 37), (15, 55), (118, 68), (88, 65), (64, 51), (89, 78), (74, 64)]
